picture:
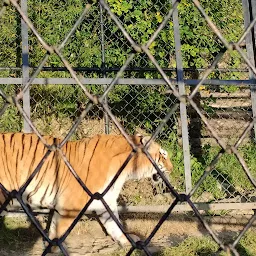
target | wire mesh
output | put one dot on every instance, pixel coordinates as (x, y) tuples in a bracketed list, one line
[(129, 42)]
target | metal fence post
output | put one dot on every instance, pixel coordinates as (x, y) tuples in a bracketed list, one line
[(106, 117), (183, 109), (25, 65), (249, 7)]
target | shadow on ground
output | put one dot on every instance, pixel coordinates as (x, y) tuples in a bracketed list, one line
[(17, 235)]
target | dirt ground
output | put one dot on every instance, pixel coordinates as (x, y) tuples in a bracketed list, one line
[(88, 238)]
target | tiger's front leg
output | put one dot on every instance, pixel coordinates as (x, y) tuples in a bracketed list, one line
[(59, 225), (112, 228)]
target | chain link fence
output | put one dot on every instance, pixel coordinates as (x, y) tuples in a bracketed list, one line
[(182, 72)]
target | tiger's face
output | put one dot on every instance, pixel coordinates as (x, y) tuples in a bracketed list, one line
[(159, 155), (164, 163)]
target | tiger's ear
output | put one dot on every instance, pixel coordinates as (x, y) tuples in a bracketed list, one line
[(145, 139), (152, 147)]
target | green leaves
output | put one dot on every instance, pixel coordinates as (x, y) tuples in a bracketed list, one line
[(54, 19), (119, 6)]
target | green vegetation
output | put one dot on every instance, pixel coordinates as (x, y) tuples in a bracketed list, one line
[(17, 234), (203, 246), (227, 178), (54, 19), (141, 106)]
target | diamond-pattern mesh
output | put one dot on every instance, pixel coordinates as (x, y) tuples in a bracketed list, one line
[(153, 108)]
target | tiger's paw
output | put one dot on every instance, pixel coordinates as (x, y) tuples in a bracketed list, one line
[(123, 241), (55, 248)]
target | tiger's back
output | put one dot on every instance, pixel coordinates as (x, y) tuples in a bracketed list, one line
[(21, 154)]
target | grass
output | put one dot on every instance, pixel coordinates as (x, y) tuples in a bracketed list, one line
[(203, 246), (192, 246), (226, 179), (17, 235)]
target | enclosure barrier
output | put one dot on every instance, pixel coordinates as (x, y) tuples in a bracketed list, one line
[(176, 88)]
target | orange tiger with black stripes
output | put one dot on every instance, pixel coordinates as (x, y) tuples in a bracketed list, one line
[(96, 160)]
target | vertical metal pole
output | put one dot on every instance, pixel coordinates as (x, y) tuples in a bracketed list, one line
[(249, 7), (106, 117), (183, 109), (25, 65)]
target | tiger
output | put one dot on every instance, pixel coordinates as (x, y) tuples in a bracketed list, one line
[(96, 161)]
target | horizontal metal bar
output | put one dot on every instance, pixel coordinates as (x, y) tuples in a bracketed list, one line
[(96, 69), (125, 81), (156, 208), (187, 208)]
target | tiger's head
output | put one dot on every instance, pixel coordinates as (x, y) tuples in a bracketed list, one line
[(159, 155)]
